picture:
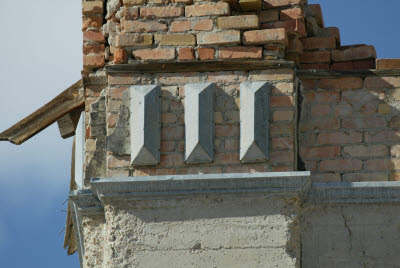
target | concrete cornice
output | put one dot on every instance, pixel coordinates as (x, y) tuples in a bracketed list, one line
[(190, 186), (354, 192), (241, 184)]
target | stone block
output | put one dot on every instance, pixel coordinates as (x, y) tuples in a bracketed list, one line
[(199, 123), (254, 121), (145, 124)]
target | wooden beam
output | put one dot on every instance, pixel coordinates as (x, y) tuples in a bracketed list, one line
[(69, 100), (67, 124), (243, 65)]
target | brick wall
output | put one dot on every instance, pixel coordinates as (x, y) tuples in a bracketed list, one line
[(227, 97), (349, 128), (117, 32)]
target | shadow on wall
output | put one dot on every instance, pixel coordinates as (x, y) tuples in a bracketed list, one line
[(350, 128)]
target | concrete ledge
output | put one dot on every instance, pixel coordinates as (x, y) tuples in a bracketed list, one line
[(189, 186), (354, 192)]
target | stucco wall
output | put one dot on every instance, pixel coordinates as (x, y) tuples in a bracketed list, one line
[(201, 232), (351, 236)]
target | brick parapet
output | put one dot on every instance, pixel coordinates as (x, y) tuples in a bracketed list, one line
[(349, 127)]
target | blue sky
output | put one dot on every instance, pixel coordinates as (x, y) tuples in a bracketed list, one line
[(41, 54)]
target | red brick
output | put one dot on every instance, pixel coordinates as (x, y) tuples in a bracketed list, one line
[(131, 13), (320, 110), (315, 11), (315, 57), (92, 7), (281, 129), (286, 115), (339, 138), (154, 54), (268, 16), (219, 38), (168, 118), (181, 26), (267, 36), (388, 64), (117, 92), (383, 136), (240, 53), (167, 146), (118, 161), (383, 164), (281, 101), (340, 165), (293, 27), (319, 42), (179, 78), (202, 25), (93, 61), (172, 133), (94, 49), (366, 151), (341, 83), (186, 53), (320, 123), (354, 53), (173, 160), (282, 143), (206, 53), (226, 130), (395, 176), (315, 66), (309, 83), (382, 82), (322, 97), (93, 36), (280, 3), (161, 12), (211, 9), (120, 56), (353, 65), (227, 158), (145, 26), (364, 122), (291, 13), (231, 145), (395, 122), (94, 21), (281, 156), (294, 45), (319, 152)]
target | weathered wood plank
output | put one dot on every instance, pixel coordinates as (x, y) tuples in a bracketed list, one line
[(67, 124), (69, 100), (242, 65)]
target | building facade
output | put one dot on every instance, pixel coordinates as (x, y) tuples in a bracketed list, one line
[(227, 134)]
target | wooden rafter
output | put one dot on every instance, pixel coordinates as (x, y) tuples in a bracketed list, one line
[(69, 100)]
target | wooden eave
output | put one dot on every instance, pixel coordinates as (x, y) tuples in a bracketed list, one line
[(70, 99)]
